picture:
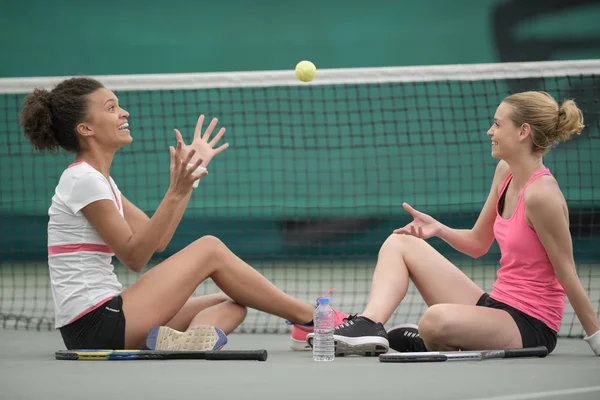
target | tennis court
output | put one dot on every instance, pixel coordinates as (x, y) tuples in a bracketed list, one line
[(29, 371)]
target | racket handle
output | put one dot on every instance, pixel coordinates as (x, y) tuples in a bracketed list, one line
[(540, 351), (257, 355)]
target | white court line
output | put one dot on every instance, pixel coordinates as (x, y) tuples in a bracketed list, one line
[(538, 395)]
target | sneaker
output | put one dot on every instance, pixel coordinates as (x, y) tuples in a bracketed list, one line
[(358, 336), (198, 338), (300, 332), (298, 340), (406, 338)]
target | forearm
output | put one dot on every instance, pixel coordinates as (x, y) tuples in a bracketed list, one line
[(581, 305), (463, 240), (178, 212), (144, 242)]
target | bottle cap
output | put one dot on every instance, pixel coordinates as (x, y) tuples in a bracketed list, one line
[(323, 300)]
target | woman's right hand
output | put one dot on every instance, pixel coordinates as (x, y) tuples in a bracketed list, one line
[(423, 226), (182, 175)]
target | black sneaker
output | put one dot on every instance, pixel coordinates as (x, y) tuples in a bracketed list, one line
[(358, 336), (406, 338)]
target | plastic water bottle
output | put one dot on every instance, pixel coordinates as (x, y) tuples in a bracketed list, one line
[(323, 345)]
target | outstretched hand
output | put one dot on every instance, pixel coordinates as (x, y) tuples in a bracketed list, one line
[(203, 149), (423, 226), (183, 171)]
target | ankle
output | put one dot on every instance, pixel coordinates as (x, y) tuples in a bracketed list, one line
[(306, 316), (371, 318)]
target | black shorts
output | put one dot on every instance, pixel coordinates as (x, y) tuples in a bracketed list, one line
[(102, 328), (533, 331)]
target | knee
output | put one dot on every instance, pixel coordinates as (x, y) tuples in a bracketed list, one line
[(436, 325), (210, 247), (398, 243), (209, 241)]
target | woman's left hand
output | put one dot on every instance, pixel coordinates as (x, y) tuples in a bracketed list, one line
[(205, 150)]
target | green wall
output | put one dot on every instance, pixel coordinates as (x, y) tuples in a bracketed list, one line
[(42, 38)]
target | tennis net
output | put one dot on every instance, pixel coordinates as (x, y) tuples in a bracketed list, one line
[(315, 176)]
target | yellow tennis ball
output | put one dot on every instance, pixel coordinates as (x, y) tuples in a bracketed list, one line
[(306, 71)]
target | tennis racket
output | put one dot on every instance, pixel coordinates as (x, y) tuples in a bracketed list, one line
[(441, 356), (122, 355)]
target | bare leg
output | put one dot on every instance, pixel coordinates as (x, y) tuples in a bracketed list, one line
[(160, 294), (449, 327), (404, 257), (452, 321), (214, 309)]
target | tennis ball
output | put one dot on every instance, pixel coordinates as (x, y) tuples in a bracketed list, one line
[(306, 71)]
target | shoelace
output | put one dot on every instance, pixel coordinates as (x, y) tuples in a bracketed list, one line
[(350, 318), (326, 294), (347, 321)]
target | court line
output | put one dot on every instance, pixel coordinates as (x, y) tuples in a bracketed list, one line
[(537, 395)]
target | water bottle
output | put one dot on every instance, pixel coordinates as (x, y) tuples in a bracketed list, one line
[(323, 345)]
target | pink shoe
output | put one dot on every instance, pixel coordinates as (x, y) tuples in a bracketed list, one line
[(300, 332)]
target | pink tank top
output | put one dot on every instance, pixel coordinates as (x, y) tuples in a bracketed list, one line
[(526, 278)]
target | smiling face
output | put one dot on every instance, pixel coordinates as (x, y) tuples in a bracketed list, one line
[(507, 138), (106, 123)]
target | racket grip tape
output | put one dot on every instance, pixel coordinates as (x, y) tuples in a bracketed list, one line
[(540, 351), (256, 355)]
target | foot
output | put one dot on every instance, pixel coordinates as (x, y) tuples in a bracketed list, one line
[(300, 332), (298, 340), (358, 336), (197, 338), (406, 338)]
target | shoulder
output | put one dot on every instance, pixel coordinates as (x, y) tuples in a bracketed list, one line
[(543, 196), (87, 176), (85, 184), (77, 176), (502, 170), (500, 175), (76, 171)]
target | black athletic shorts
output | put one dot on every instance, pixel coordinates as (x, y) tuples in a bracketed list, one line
[(533, 331), (102, 328)]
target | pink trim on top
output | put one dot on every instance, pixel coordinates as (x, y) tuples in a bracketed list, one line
[(75, 163), (74, 248), (116, 197), (92, 308)]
